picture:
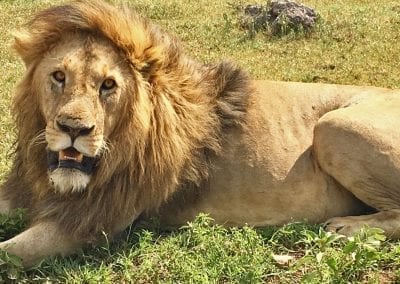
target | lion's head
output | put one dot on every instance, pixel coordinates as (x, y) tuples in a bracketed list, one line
[(110, 104), (86, 96), (85, 85), (82, 84)]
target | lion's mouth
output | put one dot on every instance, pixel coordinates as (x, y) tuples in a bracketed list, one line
[(70, 158)]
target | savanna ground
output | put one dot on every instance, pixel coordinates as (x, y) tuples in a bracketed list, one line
[(355, 42)]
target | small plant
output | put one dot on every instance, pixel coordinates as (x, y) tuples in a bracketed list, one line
[(337, 259), (11, 224), (11, 268)]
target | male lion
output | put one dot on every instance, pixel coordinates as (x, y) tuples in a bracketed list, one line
[(115, 121)]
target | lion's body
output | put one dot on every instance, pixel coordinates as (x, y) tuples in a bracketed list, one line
[(268, 173), (114, 121)]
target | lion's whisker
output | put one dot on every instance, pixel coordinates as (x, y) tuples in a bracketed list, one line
[(105, 150), (38, 139)]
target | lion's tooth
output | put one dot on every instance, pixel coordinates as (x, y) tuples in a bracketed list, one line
[(70, 155), (79, 158), (61, 155)]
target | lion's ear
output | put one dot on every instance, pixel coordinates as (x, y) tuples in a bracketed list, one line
[(151, 62), (21, 46), (162, 53), (30, 43)]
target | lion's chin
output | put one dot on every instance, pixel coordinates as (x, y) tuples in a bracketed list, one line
[(69, 180), (69, 170)]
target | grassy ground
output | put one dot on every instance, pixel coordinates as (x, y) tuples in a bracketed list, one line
[(356, 42)]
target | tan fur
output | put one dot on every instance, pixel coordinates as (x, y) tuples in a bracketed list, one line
[(177, 137)]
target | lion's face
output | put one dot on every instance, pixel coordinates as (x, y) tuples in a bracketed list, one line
[(80, 85)]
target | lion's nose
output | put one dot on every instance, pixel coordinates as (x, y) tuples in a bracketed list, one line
[(75, 131)]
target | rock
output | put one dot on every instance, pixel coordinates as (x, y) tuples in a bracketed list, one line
[(280, 16), (296, 16)]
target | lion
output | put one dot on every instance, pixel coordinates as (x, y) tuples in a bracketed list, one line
[(115, 122)]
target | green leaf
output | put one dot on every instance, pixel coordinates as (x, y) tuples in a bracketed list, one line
[(332, 263), (350, 247)]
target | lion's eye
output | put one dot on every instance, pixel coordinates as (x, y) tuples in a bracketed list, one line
[(108, 84), (59, 76), (107, 88)]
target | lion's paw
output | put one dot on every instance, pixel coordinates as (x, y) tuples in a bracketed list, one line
[(347, 226)]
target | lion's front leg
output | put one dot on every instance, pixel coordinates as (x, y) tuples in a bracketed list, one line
[(38, 242)]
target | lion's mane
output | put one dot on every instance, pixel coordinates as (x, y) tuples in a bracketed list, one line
[(191, 107)]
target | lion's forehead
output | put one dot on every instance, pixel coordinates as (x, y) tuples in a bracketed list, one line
[(86, 56)]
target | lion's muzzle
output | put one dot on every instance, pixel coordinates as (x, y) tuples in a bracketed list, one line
[(73, 149), (70, 157)]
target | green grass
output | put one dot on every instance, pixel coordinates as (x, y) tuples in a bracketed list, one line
[(201, 253), (356, 42)]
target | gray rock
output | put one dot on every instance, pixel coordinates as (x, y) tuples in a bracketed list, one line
[(281, 16)]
